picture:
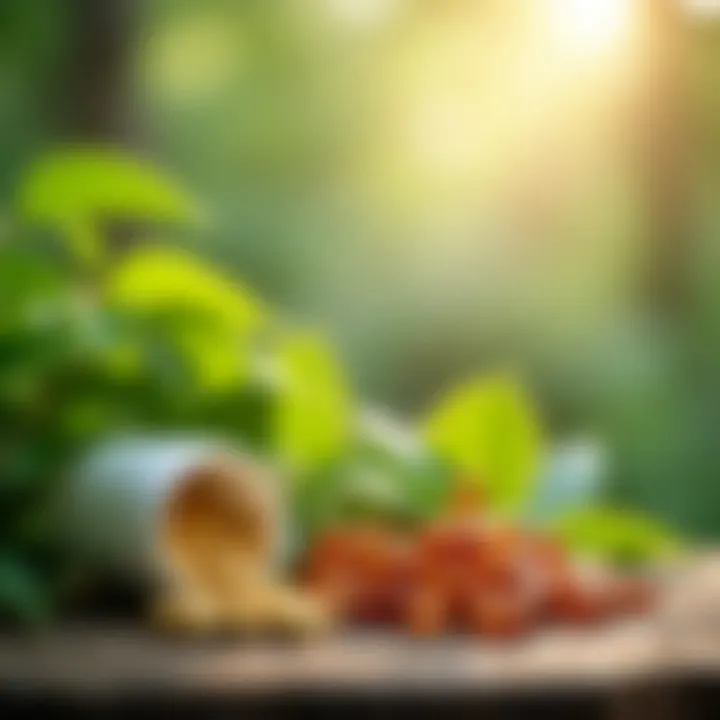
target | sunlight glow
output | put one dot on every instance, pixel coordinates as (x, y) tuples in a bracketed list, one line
[(704, 8), (589, 27), (363, 13), (443, 135)]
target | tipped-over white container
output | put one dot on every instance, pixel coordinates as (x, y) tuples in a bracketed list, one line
[(131, 503)]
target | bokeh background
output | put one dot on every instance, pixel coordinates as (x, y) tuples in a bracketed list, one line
[(443, 186)]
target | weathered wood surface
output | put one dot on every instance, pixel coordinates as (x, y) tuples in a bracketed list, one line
[(112, 659), (683, 637)]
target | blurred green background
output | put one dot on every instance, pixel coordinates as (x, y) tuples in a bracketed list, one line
[(442, 186)]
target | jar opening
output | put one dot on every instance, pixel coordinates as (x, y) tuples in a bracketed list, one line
[(218, 524)]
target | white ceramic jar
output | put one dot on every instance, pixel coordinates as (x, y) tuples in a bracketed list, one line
[(112, 511)]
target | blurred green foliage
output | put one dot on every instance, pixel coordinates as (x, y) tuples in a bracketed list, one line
[(158, 340), (395, 171), (387, 475), (213, 320), (74, 190), (162, 341)]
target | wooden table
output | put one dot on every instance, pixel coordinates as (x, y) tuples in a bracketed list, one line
[(656, 666)]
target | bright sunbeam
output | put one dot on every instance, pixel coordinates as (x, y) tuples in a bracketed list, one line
[(589, 27)]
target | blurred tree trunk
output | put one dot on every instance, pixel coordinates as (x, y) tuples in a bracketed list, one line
[(96, 103)]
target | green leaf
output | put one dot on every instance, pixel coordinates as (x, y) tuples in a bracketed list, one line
[(218, 358), (617, 535), (210, 317), (314, 409), (488, 429), (72, 188), (156, 280)]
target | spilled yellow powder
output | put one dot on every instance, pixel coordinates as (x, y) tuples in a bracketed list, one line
[(218, 541)]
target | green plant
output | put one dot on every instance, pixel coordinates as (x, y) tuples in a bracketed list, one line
[(74, 190), (626, 537), (94, 342), (487, 430), (387, 474)]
